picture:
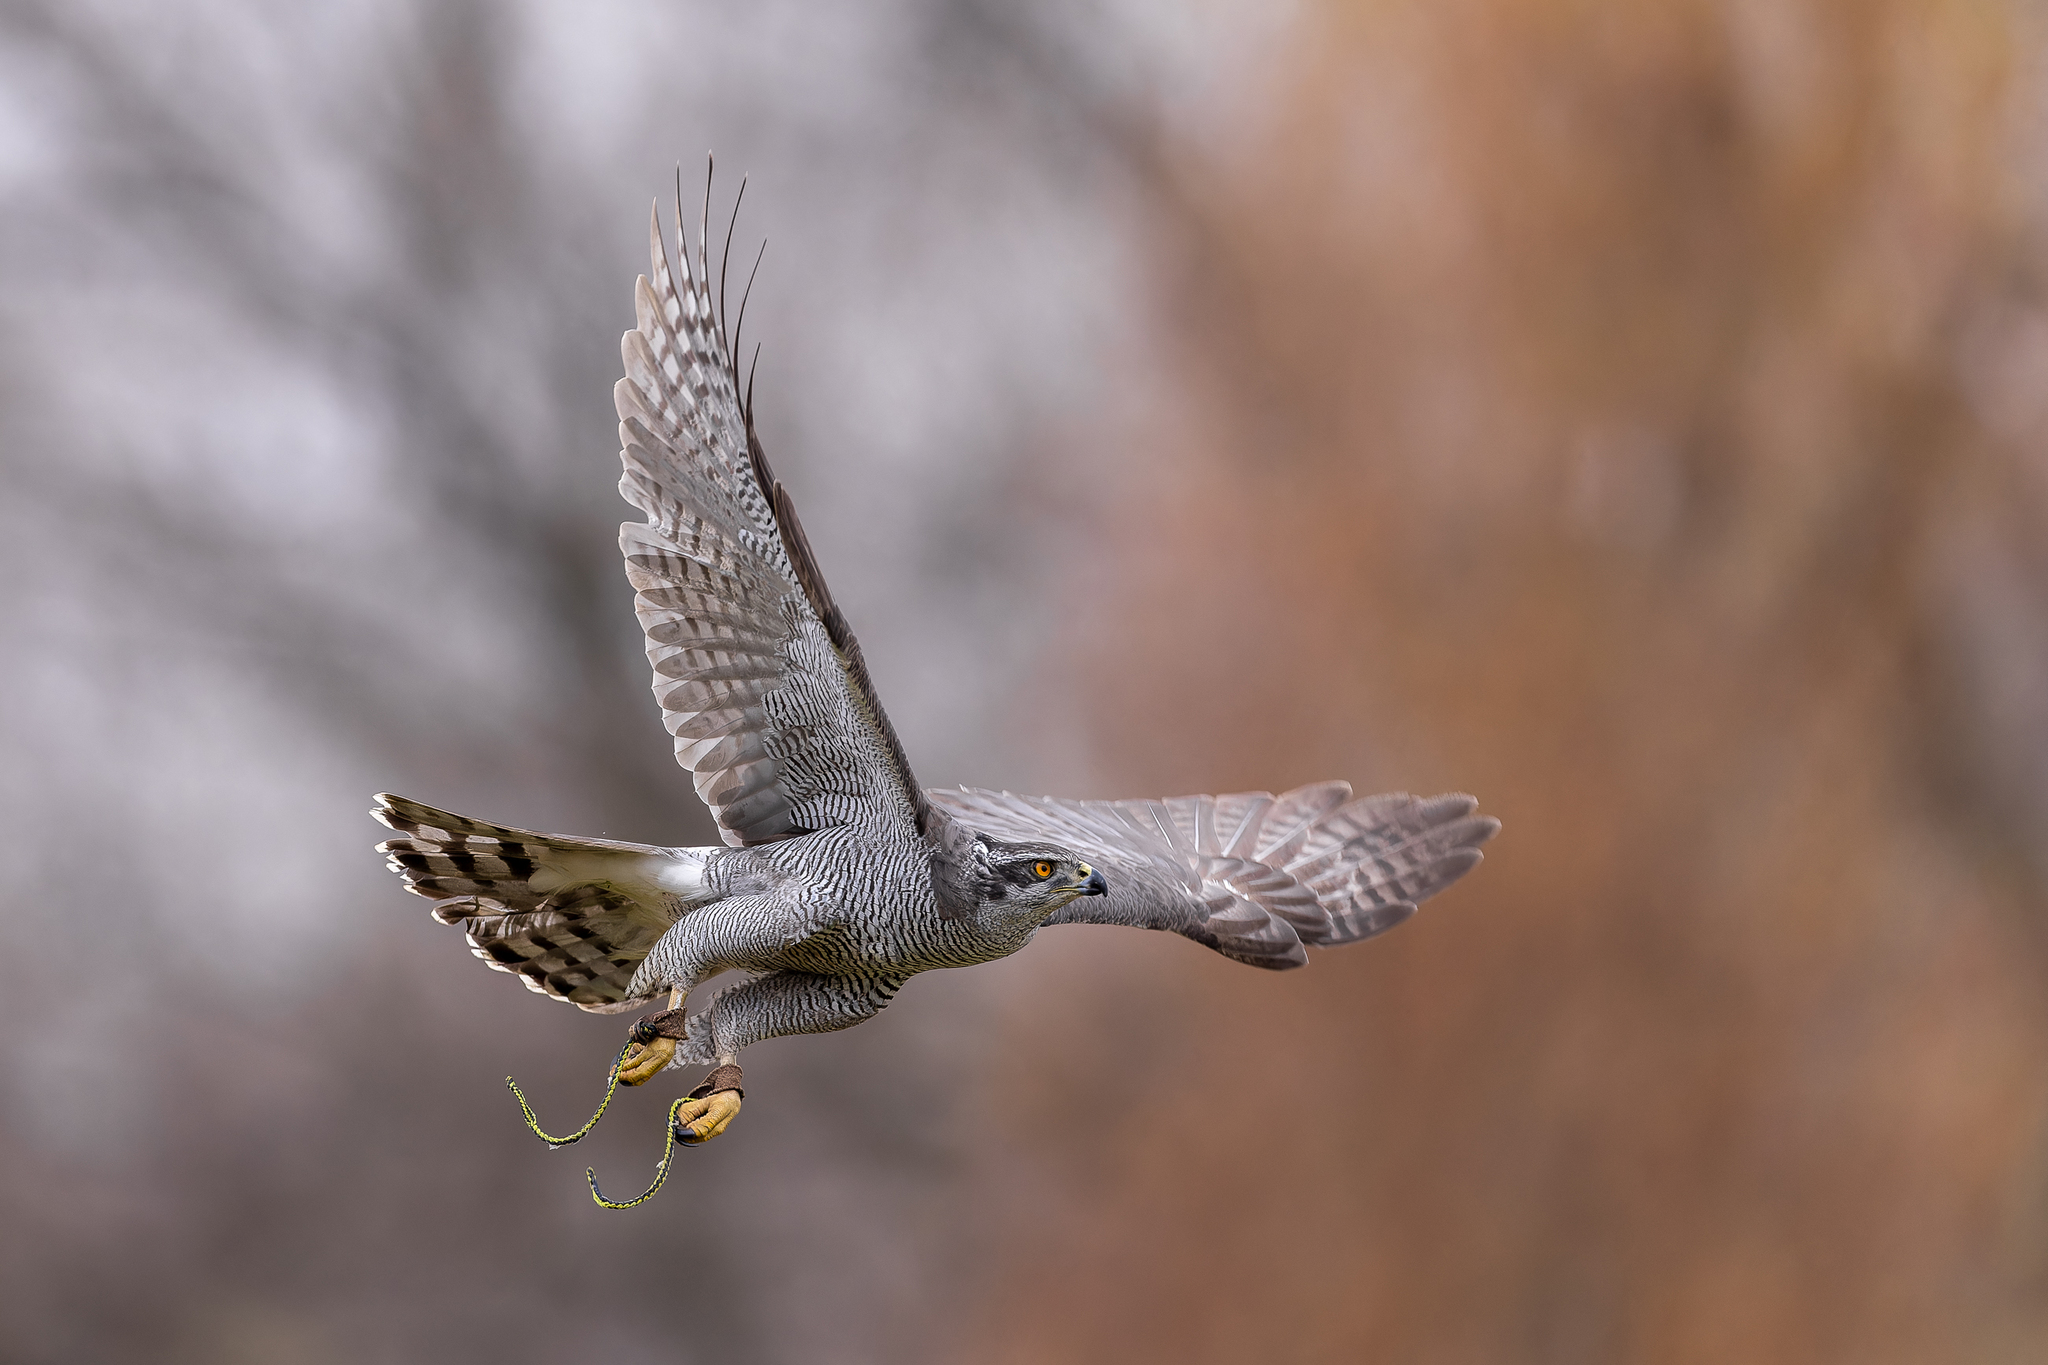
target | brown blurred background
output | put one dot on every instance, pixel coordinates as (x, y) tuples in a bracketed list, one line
[(1635, 415)]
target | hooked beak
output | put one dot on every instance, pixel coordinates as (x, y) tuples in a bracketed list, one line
[(1094, 886)]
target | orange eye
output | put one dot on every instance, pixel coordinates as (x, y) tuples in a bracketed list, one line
[(1041, 869)]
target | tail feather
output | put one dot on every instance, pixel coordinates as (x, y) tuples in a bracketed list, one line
[(572, 918)]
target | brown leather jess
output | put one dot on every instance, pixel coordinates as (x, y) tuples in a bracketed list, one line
[(722, 1078), (667, 1024), (671, 1024)]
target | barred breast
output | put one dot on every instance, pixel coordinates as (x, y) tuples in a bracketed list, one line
[(869, 905)]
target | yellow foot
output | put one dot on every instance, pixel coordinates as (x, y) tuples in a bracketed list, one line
[(643, 1061), (699, 1121)]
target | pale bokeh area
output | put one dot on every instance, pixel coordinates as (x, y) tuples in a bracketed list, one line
[(1635, 415)]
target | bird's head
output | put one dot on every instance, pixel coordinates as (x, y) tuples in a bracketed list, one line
[(1032, 878)]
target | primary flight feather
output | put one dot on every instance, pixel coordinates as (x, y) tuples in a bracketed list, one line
[(840, 878)]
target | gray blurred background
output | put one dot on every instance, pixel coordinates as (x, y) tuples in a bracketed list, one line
[(1635, 415)]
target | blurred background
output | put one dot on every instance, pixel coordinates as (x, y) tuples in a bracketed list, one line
[(1636, 415)]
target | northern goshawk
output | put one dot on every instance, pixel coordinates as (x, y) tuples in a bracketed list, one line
[(840, 878)]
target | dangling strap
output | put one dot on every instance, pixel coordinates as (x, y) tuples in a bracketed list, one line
[(722, 1078), (668, 1154), (557, 1143)]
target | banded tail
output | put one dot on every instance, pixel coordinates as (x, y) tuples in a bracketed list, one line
[(572, 918)]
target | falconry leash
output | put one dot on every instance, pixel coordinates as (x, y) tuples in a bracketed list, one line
[(667, 1024)]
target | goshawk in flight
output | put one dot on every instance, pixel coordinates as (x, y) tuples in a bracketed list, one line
[(840, 878)]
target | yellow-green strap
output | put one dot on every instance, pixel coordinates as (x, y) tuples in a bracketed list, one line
[(611, 1088), (668, 1154)]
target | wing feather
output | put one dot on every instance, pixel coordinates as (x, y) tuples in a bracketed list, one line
[(760, 681), (1257, 877)]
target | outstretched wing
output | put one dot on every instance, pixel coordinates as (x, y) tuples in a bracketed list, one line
[(1252, 875), (759, 678)]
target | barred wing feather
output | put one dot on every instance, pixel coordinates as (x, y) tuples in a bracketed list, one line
[(1257, 877), (759, 679)]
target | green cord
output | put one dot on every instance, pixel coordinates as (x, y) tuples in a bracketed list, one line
[(557, 1143), (668, 1150), (668, 1153)]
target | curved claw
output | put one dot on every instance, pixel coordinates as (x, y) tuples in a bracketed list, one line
[(644, 1061), (699, 1121)]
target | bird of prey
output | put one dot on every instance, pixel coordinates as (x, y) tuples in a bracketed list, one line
[(839, 877)]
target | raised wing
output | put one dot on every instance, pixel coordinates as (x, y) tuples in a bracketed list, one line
[(1252, 875), (759, 678)]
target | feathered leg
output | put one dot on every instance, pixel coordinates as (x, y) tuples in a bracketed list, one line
[(783, 1003), (745, 933), (771, 1006)]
